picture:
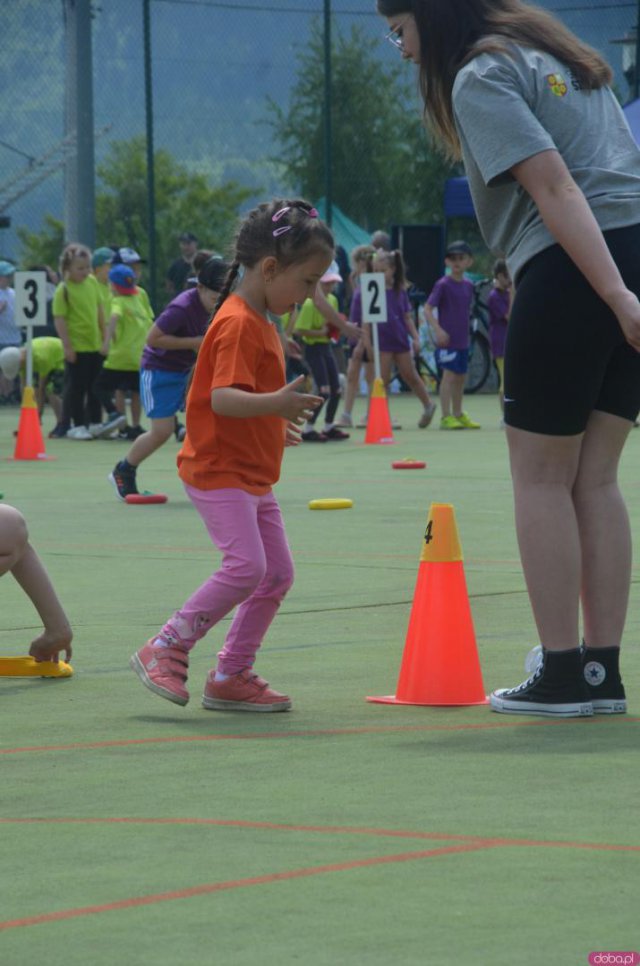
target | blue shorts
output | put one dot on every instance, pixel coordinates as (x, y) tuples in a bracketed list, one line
[(455, 360), (162, 392)]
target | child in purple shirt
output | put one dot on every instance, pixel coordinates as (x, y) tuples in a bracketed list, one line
[(398, 339), (167, 360), (452, 296), (499, 305)]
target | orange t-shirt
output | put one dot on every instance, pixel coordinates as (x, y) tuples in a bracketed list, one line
[(240, 349)]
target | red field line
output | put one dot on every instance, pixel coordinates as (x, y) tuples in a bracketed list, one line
[(317, 733), (212, 887), (481, 840)]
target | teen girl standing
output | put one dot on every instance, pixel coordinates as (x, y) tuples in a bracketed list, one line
[(240, 416), (555, 177)]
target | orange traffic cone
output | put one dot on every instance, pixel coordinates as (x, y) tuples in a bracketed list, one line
[(378, 422), (29, 444), (440, 664)]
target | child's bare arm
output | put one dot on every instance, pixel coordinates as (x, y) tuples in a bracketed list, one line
[(108, 335), (18, 556), (60, 324), (441, 337)]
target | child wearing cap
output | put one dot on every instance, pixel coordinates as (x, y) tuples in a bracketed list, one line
[(101, 262), (48, 370), (311, 326), (123, 345), (452, 296), (10, 334), (168, 357), (131, 258)]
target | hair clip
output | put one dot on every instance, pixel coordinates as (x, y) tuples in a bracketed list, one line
[(281, 231), (281, 213)]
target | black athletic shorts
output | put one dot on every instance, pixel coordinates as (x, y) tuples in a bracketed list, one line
[(565, 354)]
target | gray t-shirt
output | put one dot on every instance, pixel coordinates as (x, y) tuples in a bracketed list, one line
[(509, 107)]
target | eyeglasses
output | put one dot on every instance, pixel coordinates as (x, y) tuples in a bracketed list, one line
[(395, 37)]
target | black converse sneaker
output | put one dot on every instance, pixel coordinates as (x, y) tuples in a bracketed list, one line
[(124, 480), (556, 689), (600, 666)]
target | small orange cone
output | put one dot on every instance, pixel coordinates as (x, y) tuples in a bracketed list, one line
[(440, 664), (378, 422), (29, 443)]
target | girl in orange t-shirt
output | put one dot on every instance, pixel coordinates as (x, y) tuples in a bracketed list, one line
[(241, 414)]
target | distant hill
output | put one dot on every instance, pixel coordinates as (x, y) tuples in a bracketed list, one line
[(214, 66)]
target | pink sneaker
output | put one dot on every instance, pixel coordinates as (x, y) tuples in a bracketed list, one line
[(242, 692), (163, 670)]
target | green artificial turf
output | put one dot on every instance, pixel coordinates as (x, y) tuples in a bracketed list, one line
[(343, 832)]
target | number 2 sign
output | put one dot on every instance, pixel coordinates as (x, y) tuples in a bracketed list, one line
[(374, 308), (374, 298)]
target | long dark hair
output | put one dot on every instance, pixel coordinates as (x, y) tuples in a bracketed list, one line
[(453, 32), (296, 235)]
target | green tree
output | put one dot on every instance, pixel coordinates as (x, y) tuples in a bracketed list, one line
[(384, 169), (44, 247), (185, 201)]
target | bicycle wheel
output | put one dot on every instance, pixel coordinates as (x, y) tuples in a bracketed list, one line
[(479, 363)]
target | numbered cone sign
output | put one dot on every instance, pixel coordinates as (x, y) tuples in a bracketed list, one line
[(440, 664)]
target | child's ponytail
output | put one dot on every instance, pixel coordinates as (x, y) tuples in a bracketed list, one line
[(229, 282)]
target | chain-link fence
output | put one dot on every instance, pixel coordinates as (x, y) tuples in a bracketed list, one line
[(237, 110)]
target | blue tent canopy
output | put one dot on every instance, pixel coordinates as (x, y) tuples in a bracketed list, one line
[(457, 199), (632, 114)]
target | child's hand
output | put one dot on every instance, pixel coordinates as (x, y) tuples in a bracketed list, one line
[(70, 353), (353, 332), (47, 647), (627, 310), (291, 435), (296, 406), (441, 337)]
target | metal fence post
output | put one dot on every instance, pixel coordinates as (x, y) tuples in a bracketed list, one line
[(151, 181)]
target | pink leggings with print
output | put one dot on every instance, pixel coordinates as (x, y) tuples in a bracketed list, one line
[(256, 573)]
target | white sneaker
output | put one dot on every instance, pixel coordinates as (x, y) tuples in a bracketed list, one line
[(79, 432), (345, 419), (427, 415)]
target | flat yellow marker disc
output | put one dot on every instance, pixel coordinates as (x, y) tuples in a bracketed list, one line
[(335, 504), (28, 667)]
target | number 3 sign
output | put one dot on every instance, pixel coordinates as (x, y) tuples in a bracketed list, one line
[(31, 308)]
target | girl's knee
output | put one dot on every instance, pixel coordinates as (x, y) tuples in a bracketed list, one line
[(281, 580)]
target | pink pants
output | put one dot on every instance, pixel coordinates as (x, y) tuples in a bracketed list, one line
[(256, 573)]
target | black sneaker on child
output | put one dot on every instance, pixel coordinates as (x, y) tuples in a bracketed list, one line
[(600, 666), (557, 689), (123, 478), (334, 433), (313, 436), (130, 433)]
